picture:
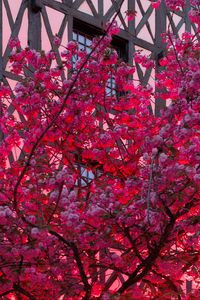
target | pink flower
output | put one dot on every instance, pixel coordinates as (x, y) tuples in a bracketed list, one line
[(35, 232), (156, 4), (131, 14), (72, 46), (14, 42), (57, 40)]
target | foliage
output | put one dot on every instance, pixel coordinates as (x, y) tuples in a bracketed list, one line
[(138, 214)]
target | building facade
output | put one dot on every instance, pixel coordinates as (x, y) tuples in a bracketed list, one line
[(36, 22)]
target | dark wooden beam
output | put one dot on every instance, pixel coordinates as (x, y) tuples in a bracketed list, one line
[(9, 14), (35, 5), (1, 42), (100, 8), (16, 28), (34, 24), (160, 27), (131, 30)]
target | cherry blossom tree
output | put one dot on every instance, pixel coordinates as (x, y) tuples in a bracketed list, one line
[(99, 184)]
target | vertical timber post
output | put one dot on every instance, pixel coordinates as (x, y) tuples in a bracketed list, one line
[(1, 42), (186, 16), (70, 23), (1, 65), (160, 27), (34, 24), (100, 9), (131, 29)]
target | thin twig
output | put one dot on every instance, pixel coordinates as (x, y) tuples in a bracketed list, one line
[(149, 190)]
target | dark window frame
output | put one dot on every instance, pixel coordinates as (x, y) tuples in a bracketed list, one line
[(88, 31), (118, 43)]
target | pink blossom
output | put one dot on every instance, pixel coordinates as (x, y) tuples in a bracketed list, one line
[(57, 41), (14, 42)]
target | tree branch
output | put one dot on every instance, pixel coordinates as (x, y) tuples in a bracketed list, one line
[(21, 290), (77, 258), (6, 293), (143, 269), (23, 172)]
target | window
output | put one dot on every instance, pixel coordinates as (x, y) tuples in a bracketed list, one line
[(83, 40), (85, 176), (111, 87), (83, 34)]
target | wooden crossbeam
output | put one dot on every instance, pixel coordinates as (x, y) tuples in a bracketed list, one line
[(15, 31), (77, 3), (143, 15), (1, 42), (144, 20), (121, 17), (63, 26), (172, 24), (112, 10), (180, 24), (51, 38), (92, 7), (9, 14)]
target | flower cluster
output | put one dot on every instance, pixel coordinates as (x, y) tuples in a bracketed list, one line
[(93, 184)]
